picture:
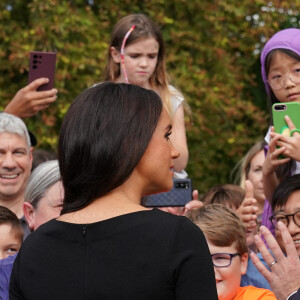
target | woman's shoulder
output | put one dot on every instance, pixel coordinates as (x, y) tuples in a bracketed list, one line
[(176, 225)]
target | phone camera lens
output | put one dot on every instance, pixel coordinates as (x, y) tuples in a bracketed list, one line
[(280, 107)]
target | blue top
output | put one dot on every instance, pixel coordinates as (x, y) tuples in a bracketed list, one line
[(253, 276), (6, 265)]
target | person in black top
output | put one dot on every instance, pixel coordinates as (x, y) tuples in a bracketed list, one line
[(114, 149)]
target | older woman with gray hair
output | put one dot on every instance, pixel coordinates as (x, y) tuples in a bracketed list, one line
[(43, 195)]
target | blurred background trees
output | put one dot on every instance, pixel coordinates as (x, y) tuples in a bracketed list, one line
[(213, 52)]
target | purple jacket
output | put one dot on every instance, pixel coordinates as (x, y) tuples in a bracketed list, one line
[(6, 265)]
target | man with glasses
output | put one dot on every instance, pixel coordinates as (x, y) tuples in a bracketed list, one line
[(226, 239), (286, 208), (284, 273)]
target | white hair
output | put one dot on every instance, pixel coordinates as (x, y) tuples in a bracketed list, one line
[(12, 124), (42, 178)]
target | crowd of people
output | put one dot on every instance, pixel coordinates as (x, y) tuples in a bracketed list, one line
[(72, 224)]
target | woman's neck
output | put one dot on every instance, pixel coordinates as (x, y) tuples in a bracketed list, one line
[(115, 203)]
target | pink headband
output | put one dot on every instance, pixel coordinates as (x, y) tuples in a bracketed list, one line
[(122, 51)]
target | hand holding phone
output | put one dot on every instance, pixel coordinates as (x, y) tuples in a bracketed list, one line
[(179, 195), (286, 117), (42, 64)]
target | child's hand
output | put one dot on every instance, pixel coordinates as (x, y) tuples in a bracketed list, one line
[(194, 204), (248, 209), (272, 161), (181, 211), (291, 144)]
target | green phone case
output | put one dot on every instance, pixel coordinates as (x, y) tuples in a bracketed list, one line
[(291, 109)]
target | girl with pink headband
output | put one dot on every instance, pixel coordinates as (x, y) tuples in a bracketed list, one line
[(136, 55)]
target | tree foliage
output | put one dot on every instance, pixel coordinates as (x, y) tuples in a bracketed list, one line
[(212, 57)]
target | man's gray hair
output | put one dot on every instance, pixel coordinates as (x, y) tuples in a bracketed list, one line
[(12, 124), (42, 178)]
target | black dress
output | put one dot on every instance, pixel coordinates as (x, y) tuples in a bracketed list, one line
[(142, 255)]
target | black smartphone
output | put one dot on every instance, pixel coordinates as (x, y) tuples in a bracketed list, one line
[(179, 195), (42, 64)]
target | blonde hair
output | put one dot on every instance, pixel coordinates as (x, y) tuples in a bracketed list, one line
[(245, 164), (221, 226), (144, 28)]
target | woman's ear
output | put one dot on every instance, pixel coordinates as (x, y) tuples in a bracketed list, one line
[(29, 214), (115, 54), (244, 263)]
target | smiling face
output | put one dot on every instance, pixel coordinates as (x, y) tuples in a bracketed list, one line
[(140, 60), (10, 242), (281, 65), (292, 206), (155, 168), (15, 166), (228, 278)]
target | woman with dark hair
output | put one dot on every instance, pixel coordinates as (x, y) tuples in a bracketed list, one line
[(105, 245)]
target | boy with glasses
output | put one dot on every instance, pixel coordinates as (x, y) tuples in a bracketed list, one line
[(226, 238)]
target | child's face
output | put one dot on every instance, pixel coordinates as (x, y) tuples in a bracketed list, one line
[(140, 59), (292, 206), (228, 278), (282, 66), (9, 241)]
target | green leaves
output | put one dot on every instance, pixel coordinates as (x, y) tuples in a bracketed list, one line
[(212, 57)]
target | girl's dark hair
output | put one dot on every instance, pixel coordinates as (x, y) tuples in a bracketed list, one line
[(284, 190), (103, 137)]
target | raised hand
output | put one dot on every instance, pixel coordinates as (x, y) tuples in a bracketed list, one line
[(291, 144), (248, 209), (28, 101), (284, 273), (180, 211)]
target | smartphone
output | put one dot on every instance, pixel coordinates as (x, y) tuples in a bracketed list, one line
[(280, 110), (42, 64), (179, 195)]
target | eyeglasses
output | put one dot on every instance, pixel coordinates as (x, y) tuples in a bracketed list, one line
[(285, 219), (222, 260), (277, 81)]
